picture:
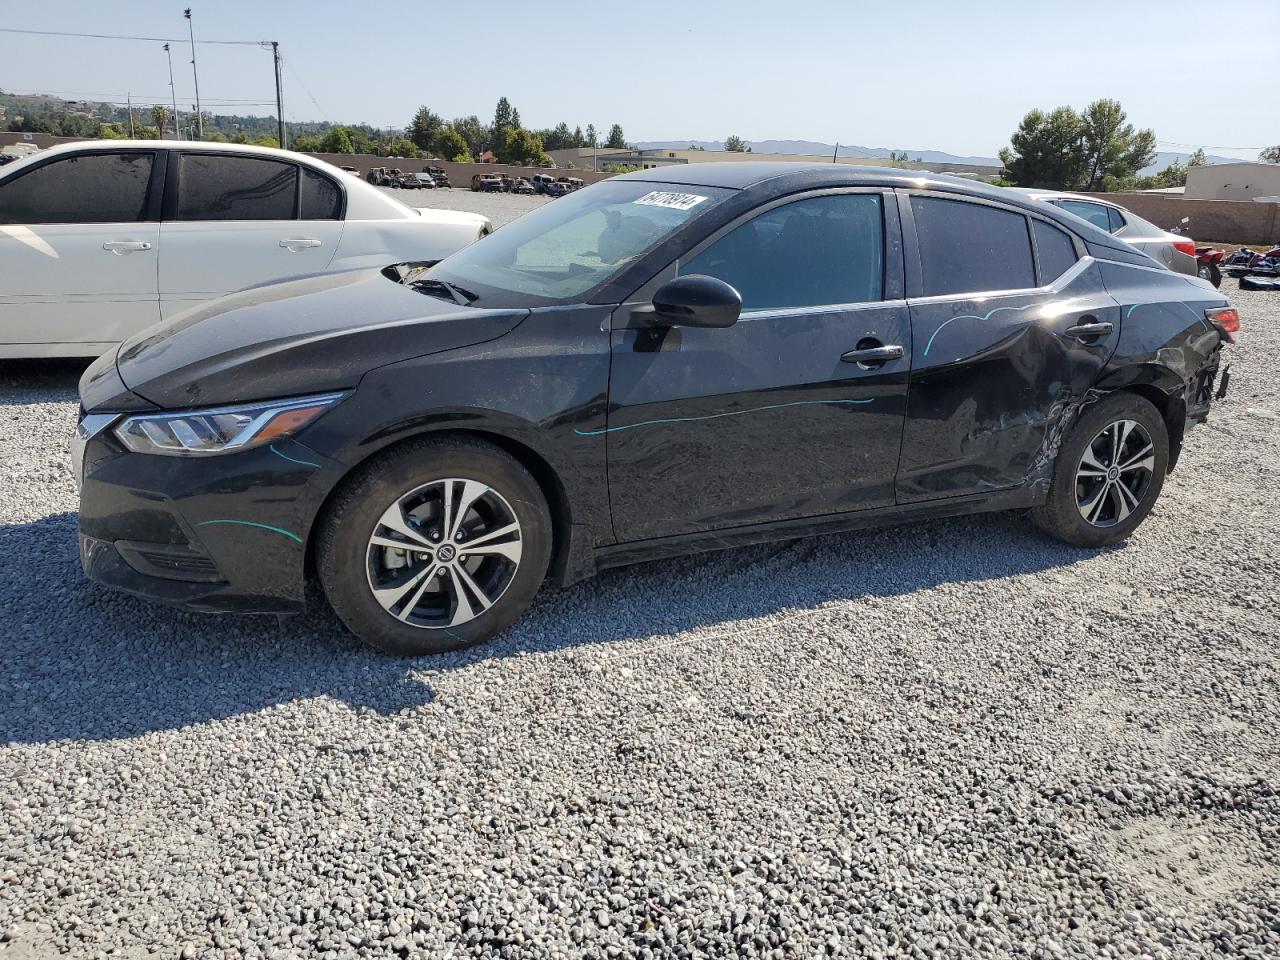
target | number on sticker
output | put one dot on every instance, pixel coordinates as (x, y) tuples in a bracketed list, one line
[(676, 201)]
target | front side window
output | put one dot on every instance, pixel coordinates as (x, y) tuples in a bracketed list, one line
[(1095, 213), (83, 188), (564, 250), (971, 247), (815, 252), (216, 187)]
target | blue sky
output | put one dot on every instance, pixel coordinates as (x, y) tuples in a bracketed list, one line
[(933, 74)]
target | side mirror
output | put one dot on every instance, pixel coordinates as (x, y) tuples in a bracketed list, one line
[(697, 301)]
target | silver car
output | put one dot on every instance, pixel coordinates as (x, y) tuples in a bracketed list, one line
[(1175, 252)]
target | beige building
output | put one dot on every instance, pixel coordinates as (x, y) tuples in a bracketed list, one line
[(1233, 181)]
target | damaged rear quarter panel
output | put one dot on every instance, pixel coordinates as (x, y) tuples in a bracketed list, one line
[(996, 383)]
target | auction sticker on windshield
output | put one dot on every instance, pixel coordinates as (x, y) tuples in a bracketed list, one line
[(676, 201)]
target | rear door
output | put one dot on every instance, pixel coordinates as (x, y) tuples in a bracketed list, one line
[(237, 220), (78, 246), (765, 420), (1011, 325)]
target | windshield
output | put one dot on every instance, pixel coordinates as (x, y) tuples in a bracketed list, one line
[(560, 252)]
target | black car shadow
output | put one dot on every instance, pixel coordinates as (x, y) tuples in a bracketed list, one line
[(40, 381), (83, 663)]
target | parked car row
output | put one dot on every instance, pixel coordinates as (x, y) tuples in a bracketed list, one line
[(538, 183), (428, 179), (101, 239)]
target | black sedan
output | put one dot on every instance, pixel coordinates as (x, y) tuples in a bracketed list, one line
[(666, 362)]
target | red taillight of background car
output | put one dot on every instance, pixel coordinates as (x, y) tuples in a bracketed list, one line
[(1185, 246), (1226, 319)]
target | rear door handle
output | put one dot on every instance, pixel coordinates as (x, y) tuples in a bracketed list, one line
[(1088, 331), (870, 355), (300, 243), (121, 247)]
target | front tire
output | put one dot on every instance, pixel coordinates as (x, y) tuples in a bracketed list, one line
[(434, 546), (1108, 474)]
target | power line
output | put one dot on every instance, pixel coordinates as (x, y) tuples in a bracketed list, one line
[(305, 89), (1203, 146), (114, 36)]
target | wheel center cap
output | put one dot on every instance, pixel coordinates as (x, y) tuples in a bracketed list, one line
[(446, 553), (1113, 473)]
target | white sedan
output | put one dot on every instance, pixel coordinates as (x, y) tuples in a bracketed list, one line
[(101, 239)]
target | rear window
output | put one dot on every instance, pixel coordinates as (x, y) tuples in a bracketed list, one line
[(1095, 213), (84, 188), (1054, 248), (214, 187), (970, 247)]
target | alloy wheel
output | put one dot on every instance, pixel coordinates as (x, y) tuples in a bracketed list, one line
[(1114, 473), (444, 553)]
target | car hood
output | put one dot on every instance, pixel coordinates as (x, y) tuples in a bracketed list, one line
[(309, 335)]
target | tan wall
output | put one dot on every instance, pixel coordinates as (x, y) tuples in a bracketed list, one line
[(1233, 181), (1224, 221)]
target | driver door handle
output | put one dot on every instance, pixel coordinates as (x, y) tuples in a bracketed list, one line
[(300, 243), (880, 354), (121, 247), (1088, 331)]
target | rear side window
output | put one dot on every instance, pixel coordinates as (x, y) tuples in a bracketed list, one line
[(815, 252), (971, 248), (1095, 213), (321, 197), (1054, 248), (92, 188), (213, 187), (1117, 221)]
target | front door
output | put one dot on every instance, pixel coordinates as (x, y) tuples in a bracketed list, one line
[(78, 247), (240, 221), (767, 419), (1011, 328)]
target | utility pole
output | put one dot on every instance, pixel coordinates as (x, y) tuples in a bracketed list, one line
[(835, 151), (177, 131), (275, 56), (191, 32), (128, 99)]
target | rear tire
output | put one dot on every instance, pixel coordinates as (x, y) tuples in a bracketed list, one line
[(477, 536), (1108, 474)]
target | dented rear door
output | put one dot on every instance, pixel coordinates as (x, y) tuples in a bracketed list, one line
[(1011, 326)]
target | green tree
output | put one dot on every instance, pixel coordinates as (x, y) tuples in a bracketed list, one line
[(402, 147), (451, 145), (616, 138), (578, 139), (733, 143), (472, 131), (1112, 148), (1270, 155), (337, 140), (503, 120), (591, 139), (1197, 159), (1046, 150), (522, 148), (113, 131), (424, 128), (160, 116), (561, 138)]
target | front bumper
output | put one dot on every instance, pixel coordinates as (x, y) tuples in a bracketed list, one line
[(222, 533)]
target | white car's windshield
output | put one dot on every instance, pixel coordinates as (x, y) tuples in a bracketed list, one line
[(570, 246)]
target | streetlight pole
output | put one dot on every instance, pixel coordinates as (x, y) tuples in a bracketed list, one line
[(177, 131), (191, 32), (275, 56)]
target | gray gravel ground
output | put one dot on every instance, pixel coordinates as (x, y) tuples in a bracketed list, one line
[(953, 739), (501, 208)]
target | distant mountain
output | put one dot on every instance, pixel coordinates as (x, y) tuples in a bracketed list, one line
[(1162, 160)]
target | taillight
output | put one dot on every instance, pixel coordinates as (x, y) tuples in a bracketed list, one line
[(1185, 246), (1226, 319)]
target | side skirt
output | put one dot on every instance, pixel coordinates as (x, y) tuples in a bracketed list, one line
[(622, 554)]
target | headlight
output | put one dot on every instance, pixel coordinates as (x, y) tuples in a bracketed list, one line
[(199, 432)]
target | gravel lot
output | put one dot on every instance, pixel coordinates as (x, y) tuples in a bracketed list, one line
[(953, 739), (501, 208)]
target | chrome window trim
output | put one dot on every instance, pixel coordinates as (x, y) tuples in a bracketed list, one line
[(1055, 287)]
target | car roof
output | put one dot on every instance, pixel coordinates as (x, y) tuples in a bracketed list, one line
[(742, 174)]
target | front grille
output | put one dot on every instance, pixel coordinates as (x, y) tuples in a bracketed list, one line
[(169, 561)]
